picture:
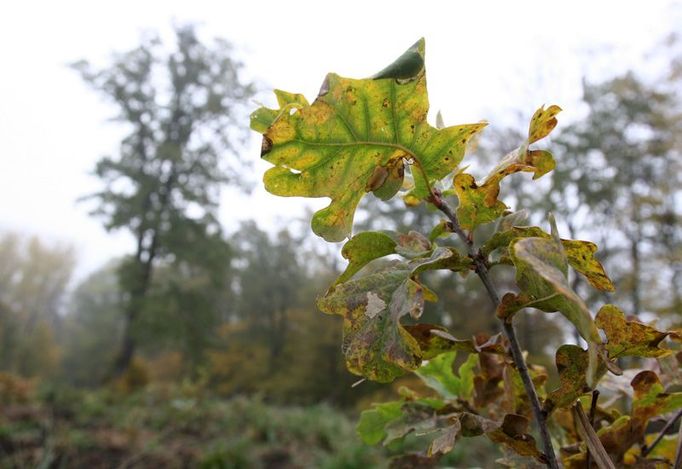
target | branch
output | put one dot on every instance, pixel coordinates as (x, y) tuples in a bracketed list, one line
[(517, 354), (649, 448)]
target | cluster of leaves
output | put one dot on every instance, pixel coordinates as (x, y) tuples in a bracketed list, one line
[(486, 397), (371, 135)]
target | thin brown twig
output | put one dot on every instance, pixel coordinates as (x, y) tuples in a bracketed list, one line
[(517, 354), (678, 451), (593, 411), (649, 448), (591, 439)]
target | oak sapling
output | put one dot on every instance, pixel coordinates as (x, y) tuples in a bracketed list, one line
[(371, 135)]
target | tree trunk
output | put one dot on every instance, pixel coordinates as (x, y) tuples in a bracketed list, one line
[(135, 302)]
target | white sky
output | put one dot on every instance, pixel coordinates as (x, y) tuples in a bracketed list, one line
[(485, 60)]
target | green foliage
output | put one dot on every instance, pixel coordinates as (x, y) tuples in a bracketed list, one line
[(437, 374), (178, 425)]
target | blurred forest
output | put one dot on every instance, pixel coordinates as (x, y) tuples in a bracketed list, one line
[(204, 347)]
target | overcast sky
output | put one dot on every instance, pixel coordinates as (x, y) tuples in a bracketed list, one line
[(485, 60)]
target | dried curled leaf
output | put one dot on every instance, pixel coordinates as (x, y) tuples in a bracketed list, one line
[(630, 338), (478, 204), (354, 138), (513, 434), (435, 340)]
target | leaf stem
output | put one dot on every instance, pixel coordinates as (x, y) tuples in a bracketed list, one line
[(517, 355)]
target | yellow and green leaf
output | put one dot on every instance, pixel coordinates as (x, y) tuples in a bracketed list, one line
[(355, 138), (579, 254), (375, 343), (572, 363), (478, 204), (630, 338), (541, 274)]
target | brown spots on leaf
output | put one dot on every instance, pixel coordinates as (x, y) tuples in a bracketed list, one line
[(386, 103), (542, 123), (643, 382)]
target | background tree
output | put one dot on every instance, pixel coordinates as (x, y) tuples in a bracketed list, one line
[(623, 173), (182, 110), (93, 327), (33, 281)]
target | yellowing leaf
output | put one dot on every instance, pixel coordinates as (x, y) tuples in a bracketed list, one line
[(581, 257), (542, 123), (263, 117), (572, 363), (334, 146), (541, 273), (375, 343), (649, 401), (629, 338), (580, 254), (502, 239), (541, 269), (434, 340), (650, 397), (478, 204)]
